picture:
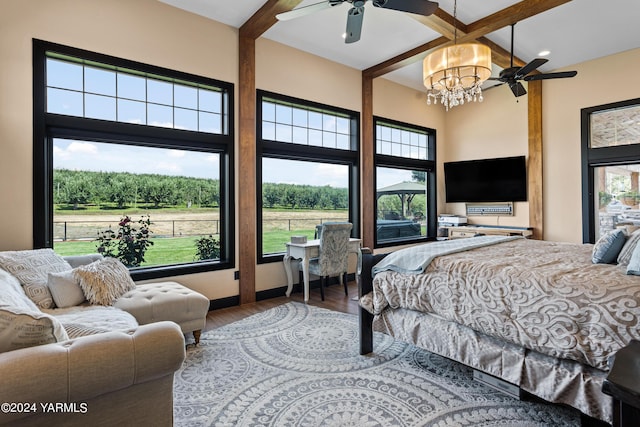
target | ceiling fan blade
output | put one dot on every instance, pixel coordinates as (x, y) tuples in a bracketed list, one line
[(354, 24), (530, 67), (419, 7), (545, 76), (306, 10), (517, 89)]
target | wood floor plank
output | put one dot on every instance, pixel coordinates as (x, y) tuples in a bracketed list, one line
[(334, 300)]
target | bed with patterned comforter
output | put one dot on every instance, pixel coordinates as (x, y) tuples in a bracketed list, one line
[(536, 299)]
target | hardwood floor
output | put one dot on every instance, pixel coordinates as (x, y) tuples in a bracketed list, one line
[(334, 299)]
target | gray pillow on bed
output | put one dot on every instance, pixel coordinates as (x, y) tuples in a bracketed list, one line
[(607, 248), (634, 263)]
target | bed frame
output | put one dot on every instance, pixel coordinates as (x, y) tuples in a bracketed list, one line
[(366, 320)]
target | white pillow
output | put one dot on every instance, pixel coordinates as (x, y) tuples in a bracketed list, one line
[(65, 289), (31, 268), (104, 281)]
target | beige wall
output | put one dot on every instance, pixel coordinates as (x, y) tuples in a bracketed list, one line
[(496, 127), (142, 30), (598, 82), (292, 72), (152, 32)]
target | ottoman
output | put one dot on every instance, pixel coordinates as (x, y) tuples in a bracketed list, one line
[(154, 302)]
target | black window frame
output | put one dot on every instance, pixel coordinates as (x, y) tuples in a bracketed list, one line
[(592, 158), (47, 126), (396, 162), (293, 151)]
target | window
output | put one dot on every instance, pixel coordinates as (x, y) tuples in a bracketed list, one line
[(610, 167), (307, 167), (405, 183), (115, 139)]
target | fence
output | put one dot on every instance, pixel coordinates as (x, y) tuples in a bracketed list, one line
[(88, 230), (294, 224)]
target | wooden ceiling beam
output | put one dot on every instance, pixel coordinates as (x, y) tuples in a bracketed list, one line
[(403, 59), (507, 16), (443, 23), (265, 17)]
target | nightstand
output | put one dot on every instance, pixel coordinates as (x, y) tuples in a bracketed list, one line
[(623, 383)]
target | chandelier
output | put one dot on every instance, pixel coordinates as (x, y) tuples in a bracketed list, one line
[(455, 73)]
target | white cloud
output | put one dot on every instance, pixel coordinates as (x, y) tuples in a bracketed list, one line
[(332, 171), (176, 153), (82, 147), (168, 167)]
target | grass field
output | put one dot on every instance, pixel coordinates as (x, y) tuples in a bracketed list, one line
[(278, 227)]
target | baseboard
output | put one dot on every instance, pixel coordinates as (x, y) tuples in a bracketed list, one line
[(233, 301)]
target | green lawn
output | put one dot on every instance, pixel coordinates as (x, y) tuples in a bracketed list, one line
[(164, 250), (179, 249)]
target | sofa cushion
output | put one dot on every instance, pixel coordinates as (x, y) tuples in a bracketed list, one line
[(65, 289), (79, 260), (31, 268), (21, 328), (85, 319), (104, 281), (22, 324)]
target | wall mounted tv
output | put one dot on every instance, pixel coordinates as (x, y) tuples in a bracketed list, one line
[(488, 180)]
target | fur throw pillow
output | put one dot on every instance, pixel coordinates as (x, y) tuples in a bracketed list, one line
[(104, 281)]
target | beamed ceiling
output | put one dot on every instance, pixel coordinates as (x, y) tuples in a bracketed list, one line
[(393, 43)]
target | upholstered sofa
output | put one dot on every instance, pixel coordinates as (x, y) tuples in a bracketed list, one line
[(82, 364)]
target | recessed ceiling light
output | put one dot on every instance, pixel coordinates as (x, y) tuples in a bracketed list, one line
[(544, 53)]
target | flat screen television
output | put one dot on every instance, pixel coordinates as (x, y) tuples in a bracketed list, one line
[(488, 180)]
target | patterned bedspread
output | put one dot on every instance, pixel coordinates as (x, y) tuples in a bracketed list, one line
[(545, 296)]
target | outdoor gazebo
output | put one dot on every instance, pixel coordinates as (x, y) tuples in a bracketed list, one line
[(406, 191)]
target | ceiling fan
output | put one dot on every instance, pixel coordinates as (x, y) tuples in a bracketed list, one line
[(356, 13), (513, 75)]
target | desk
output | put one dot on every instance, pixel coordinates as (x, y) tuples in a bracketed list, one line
[(306, 251)]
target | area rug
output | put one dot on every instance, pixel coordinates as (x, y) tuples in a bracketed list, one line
[(299, 365)]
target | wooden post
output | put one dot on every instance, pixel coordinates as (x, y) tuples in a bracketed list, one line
[(534, 163), (367, 150)]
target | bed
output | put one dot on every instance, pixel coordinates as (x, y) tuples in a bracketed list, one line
[(539, 315)]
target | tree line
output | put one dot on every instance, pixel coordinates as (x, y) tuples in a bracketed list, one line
[(124, 189), (294, 196)]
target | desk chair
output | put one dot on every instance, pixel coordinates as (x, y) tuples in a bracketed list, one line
[(333, 254)]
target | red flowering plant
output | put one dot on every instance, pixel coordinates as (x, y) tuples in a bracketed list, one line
[(129, 243)]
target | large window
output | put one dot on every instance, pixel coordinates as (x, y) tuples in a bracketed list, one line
[(405, 183), (610, 167), (307, 167), (131, 158)]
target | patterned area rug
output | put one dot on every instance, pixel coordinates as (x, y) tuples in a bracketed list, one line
[(299, 365)]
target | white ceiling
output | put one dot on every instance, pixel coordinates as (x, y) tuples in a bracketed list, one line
[(574, 32)]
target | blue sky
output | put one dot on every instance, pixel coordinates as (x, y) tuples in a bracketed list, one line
[(94, 156), (106, 95)]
